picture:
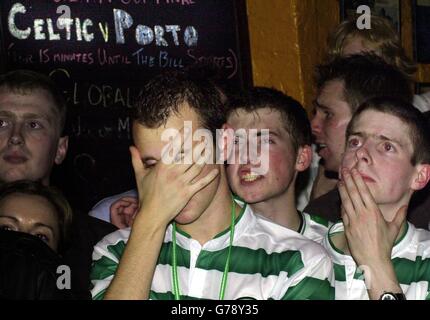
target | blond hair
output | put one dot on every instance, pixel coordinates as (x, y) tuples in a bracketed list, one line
[(381, 38)]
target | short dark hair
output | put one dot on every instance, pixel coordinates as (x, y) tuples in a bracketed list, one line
[(419, 129), (25, 81), (365, 76), (54, 196), (293, 115), (163, 94)]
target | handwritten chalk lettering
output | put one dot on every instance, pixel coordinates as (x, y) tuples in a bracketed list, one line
[(181, 2), (104, 58), (133, 1), (146, 35), (84, 1), (17, 57), (108, 96), (46, 56), (142, 59), (227, 62), (166, 61), (124, 127), (44, 28), (84, 58), (20, 34)]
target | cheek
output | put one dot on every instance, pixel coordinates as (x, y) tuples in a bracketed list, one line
[(337, 127), (232, 171), (395, 175), (281, 165)]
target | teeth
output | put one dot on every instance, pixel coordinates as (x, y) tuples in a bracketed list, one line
[(249, 177), (322, 145)]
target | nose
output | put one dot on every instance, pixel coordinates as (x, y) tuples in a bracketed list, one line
[(363, 155), (16, 137)]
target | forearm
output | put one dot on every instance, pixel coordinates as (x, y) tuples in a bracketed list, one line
[(382, 279), (133, 278)]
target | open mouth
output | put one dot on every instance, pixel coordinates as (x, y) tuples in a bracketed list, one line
[(250, 177), (320, 146)]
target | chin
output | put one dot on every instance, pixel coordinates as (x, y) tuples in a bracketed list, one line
[(251, 197), (189, 213)]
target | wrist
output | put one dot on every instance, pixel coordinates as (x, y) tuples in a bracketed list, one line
[(380, 280)]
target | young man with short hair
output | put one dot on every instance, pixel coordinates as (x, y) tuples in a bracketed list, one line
[(386, 159), (272, 193), (343, 85), (32, 141), (32, 118), (189, 238)]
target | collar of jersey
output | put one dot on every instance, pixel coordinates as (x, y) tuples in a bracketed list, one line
[(399, 245), (222, 239)]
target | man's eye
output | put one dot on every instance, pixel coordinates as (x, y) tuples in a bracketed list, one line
[(267, 141), (388, 147), (42, 237), (328, 115), (353, 143), (34, 125), (3, 123), (6, 228), (150, 164)]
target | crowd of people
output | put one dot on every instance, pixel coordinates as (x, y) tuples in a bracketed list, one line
[(264, 203)]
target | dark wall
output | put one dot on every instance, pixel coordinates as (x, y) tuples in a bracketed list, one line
[(100, 52)]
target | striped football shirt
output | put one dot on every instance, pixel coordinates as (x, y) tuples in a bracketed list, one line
[(267, 262), (314, 227), (411, 261)]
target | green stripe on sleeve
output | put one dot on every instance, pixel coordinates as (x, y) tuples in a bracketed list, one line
[(409, 271), (310, 289), (103, 268)]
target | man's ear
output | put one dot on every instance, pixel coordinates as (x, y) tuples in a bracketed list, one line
[(304, 158), (63, 145), (422, 177), (225, 142)]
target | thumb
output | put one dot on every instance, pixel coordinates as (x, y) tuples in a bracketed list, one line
[(136, 160)]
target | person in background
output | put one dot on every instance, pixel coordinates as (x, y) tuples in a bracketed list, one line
[(382, 40), (190, 238), (28, 268), (343, 85), (272, 194), (32, 141), (379, 255)]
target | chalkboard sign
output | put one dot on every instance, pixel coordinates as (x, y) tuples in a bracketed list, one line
[(99, 51)]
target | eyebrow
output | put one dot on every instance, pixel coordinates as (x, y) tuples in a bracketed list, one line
[(380, 137), (9, 217), (271, 133), (37, 224), (320, 106), (40, 224), (27, 116)]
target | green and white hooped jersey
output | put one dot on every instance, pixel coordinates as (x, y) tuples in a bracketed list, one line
[(267, 262), (410, 257), (314, 227)]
